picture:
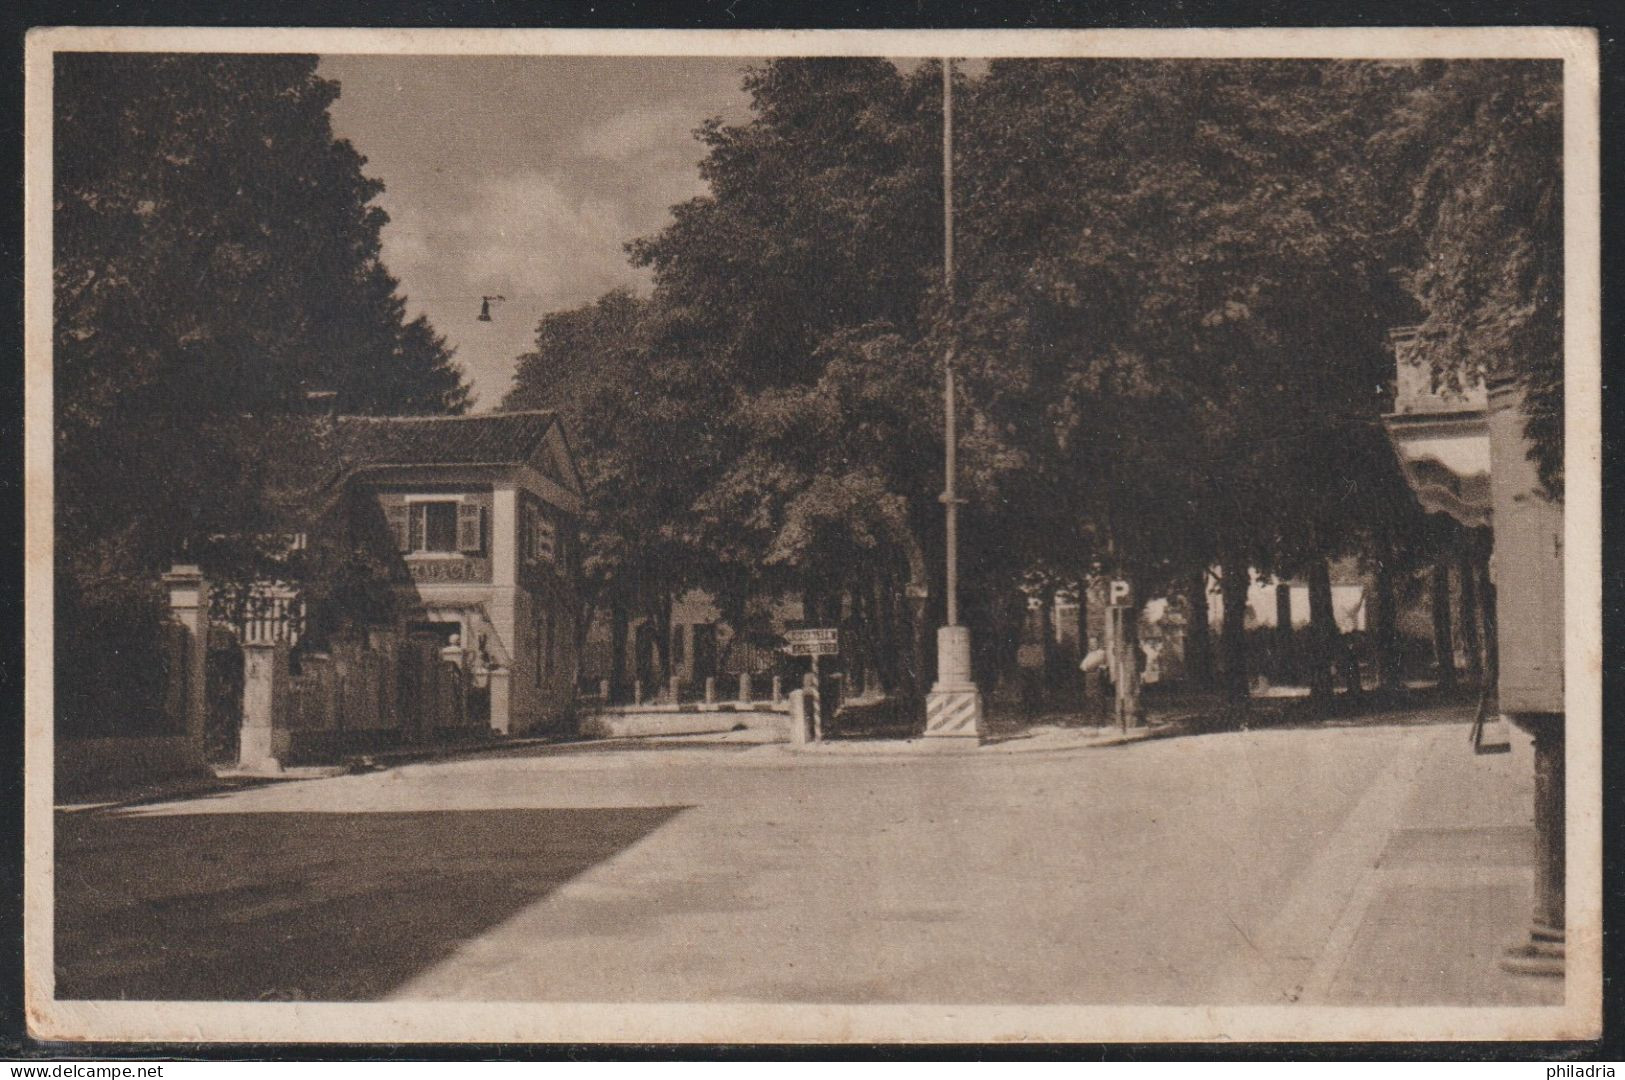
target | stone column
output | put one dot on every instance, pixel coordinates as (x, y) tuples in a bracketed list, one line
[(710, 689), (189, 606), (501, 707), (954, 707), (798, 717), (263, 741), (1544, 953), (744, 688)]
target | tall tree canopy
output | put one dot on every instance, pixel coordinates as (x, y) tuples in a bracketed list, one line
[(216, 254), (1176, 284), (1482, 145)]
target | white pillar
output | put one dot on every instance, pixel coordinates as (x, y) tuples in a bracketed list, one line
[(501, 721), (263, 738), (798, 717), (504, 538), (953, 708)]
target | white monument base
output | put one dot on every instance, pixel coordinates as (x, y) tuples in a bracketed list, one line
[(953, 708)]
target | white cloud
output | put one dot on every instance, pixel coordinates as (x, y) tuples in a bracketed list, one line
[(530, 235), (639, 132)]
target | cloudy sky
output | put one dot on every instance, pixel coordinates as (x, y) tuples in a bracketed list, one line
[(524, 177)]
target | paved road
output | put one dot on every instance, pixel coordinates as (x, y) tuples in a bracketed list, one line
[(1374, 864)]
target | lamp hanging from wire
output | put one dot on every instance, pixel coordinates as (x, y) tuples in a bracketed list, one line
[(485, 306)]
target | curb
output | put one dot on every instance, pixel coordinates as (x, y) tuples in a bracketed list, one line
[(923, 747)]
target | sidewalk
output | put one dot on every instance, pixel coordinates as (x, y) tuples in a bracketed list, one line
[(1413, 898), (1450, 890)]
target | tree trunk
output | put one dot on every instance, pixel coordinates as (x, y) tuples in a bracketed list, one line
[(885, 634), (1046, 635), (1444, 646), (1467, 578), (1284, 667), (1323, 633), (1198, 633), (918, 592), (1486, 604), (809, 603), (618, 626), (1386, 634), (858, 665), (1235, 577)]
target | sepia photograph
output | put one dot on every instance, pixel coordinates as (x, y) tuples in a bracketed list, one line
[(752, 537)]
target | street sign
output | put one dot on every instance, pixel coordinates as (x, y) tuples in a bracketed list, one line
[(1120, 592), (822, 642)]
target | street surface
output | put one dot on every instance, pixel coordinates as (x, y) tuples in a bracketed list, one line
[(1373, 864)]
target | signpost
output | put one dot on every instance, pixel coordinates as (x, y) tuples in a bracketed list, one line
[(814, 642)]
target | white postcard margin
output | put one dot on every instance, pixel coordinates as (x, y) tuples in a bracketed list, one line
[(499, 1022)]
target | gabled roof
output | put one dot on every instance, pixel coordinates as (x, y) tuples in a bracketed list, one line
[(508, 438), (309, 458)]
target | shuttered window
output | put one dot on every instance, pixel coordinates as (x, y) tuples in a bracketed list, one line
[(398, 526), (543, 538), (435, 526), (470, 528)]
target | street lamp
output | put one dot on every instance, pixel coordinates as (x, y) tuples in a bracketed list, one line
[(953, 708)]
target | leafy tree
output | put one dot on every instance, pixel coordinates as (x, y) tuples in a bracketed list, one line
[(1176, 266), (1482, 144), (593, 365), (1176, 282), (792, 303), (217, 254)]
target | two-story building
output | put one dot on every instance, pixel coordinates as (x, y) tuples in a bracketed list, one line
[(482, 512)]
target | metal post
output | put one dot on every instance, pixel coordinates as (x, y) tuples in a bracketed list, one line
[(954, 706), (949, 494)]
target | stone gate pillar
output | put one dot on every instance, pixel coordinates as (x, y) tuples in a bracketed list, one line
[(264, 739), (501, 703), (189, 606)]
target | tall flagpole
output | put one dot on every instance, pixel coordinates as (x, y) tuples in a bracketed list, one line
[(954, 705), (949, 497)]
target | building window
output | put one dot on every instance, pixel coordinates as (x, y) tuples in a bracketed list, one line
[(542, 539), (434, 526), (438, 526)]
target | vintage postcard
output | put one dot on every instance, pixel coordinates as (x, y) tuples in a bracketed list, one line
[(844, 536)]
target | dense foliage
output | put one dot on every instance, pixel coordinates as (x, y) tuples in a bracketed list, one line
[(216, 255), (1176, 284)]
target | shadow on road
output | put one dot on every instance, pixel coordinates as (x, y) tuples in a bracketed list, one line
[(304, 906)]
